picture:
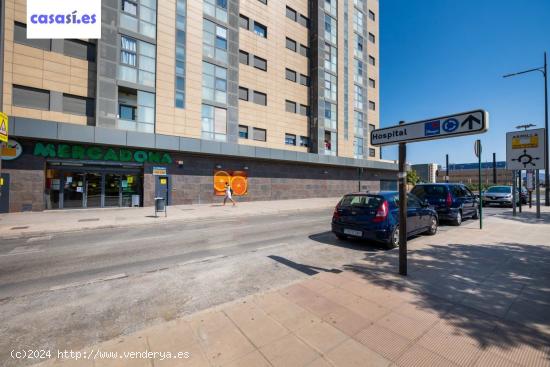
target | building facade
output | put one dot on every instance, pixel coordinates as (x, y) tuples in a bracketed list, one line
[(179, 93), (427, 172), (467, 173)]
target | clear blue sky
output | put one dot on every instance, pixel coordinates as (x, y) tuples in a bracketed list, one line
[(439, 57)]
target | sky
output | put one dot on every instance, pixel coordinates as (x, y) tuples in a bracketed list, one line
[(439, 57)]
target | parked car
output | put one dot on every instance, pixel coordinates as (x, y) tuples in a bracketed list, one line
[(500, 195), (453, 202), (375, 216)]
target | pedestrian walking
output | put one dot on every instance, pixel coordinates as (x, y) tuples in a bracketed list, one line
[(228, 194)]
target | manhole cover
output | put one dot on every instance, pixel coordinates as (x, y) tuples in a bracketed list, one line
[(89, 220)]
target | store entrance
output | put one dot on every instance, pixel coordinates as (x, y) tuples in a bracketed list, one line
[(69, 186)]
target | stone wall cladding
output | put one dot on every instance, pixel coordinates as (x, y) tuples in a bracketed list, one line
[(26, 190)]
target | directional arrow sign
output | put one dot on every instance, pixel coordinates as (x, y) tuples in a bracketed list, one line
[(465, 123)]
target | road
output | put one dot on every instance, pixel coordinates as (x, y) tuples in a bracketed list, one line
[(71, 290)]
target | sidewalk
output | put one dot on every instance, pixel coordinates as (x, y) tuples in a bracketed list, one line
[(15, 225), (472, 298)]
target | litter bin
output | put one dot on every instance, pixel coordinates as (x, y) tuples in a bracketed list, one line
[(160, 205)]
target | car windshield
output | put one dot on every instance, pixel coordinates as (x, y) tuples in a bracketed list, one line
[(364, 201), (500, 189)]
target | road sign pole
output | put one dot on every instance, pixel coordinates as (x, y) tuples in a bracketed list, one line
[(446, 168), (537, 183), (514, 182), (546, 142), (402, 208), (519, 188), (478, 152)]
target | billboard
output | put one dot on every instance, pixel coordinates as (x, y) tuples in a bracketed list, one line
[(238, 180)]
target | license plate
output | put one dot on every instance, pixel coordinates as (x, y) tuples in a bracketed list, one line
[(353, 232)]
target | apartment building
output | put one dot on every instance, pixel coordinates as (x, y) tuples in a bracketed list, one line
[(276, 97)]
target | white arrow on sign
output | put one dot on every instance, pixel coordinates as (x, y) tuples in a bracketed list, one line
[(465, 123)]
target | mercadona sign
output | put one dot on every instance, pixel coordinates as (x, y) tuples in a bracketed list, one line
[(96, 153)]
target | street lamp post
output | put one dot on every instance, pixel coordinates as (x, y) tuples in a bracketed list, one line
[(543, 70)]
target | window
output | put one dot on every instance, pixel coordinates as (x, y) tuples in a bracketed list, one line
[(330, 115), (180, 53), (359, 3), (359, 122), (290, 106), (243, 93), (259, 134), (126, 112), (372, 105), (358, 50), (214, 42), (79, 49), (77, 105), (290, 75), (372, 60), (304, 50), (358, 25), (372, 38), (371, 15), (31, 97), (129, 7), (291, 44), (330, 7), (260, 63), (330, 29), (214, 122), (260, 29), (128, 51), (330, 58), (263, 1), (358, 97), (214, 83), (330, 86), (290, 139), (139, 17), (358, 147), (304, 80), (244, 21), (20, 36), (243, 57), (303, 20), (304, 141), (372, 83), (243, 132), (358, 74), (260, 98), (371, 128), (216, 9), (372, 152), (304, 110), (291, 13)]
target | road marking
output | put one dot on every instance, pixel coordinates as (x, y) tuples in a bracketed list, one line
[(23, 250), (41, 238), (91, 281)]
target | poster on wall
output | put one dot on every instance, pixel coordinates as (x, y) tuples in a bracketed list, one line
[(238, 180)]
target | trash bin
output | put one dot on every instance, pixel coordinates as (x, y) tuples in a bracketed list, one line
[(135, 200), (160, 204)]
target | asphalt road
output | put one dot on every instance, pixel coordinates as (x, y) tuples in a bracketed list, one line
[(71, 290)]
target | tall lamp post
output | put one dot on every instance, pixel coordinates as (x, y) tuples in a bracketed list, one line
[(543, 70)]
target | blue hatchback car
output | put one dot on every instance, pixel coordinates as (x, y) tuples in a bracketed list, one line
[(375, 216)]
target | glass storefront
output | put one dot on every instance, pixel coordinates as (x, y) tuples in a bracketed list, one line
[(72, 185)]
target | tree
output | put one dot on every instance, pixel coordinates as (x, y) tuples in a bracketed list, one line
[(412, 177)]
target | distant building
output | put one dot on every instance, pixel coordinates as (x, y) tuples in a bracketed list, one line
[(426, 171), (467, 173)]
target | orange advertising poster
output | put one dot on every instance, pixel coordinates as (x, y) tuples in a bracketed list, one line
[(238, 180)]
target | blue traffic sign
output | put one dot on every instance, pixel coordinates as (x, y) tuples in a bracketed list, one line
[(450, 125), (432, 128)]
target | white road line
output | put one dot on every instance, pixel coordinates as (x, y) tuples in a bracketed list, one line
[(41, 238), (91, 281)]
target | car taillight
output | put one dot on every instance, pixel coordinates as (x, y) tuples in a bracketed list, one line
[(381, 212), (336, 214), (449, 200)]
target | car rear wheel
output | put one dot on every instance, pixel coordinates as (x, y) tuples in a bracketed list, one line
[(341, 236), (394, 239), (433, 226), (458, 219)]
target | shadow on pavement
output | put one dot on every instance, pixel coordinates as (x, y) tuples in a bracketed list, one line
[(498, 295), (306, 269), (328, 238), (526, 217)]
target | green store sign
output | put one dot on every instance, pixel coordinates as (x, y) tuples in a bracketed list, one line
[(95, 153)]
